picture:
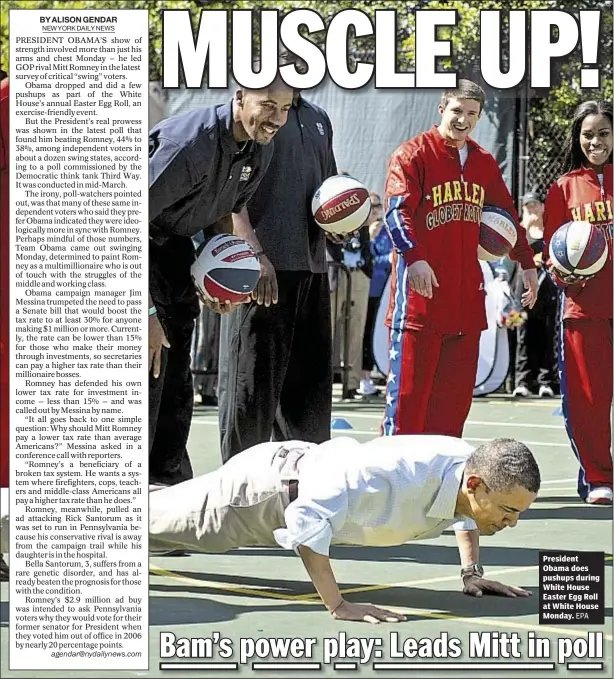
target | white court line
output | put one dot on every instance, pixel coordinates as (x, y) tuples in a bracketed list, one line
[(480, 423), (375, 433)]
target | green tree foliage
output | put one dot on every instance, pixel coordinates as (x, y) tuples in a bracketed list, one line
[(548, 112)]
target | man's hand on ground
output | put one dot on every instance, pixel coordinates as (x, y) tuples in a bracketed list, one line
[(366, 613), (157, 340), (476, 586)]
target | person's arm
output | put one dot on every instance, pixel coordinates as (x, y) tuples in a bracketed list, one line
[(403, 195), (321, 573), (318, 513), (472, 574), (266, 291), (171, 175), (157, 339), (170, 179), (468, 542), (224, 225), (498, 194)]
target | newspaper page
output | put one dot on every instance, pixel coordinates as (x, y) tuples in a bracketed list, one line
[(78, 375), (131, 133)]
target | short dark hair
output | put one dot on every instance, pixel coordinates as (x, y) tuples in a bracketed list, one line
[(573, 156), (284, 59), (466, 89), (504, 464)]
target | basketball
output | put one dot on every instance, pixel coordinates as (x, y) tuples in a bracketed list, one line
[(226, 268), (578, 248), (341, 204), (497, 234)]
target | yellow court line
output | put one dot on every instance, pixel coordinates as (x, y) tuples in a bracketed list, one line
[(212, 584), (435, 615), (429, 581), (414, 583)]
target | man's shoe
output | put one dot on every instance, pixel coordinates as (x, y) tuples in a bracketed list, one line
[(545, 391), (600, 496), (521, 392), (4, 570), (350, 395), (367, 388)]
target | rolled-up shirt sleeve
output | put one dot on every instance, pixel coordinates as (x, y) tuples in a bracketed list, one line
[(464, 524), (320, 509), (312, 521)]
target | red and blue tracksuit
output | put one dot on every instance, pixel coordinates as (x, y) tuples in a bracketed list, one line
[(433, 211), (585, 348)]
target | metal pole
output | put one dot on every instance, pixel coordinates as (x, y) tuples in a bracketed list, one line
[(347, 314), (522, 142)]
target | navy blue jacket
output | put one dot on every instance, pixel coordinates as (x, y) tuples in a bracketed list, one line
[(198, 173)]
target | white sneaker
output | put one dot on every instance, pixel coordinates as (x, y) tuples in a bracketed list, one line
[(600, 496), (545, 392), (367, 388), (523, 392)]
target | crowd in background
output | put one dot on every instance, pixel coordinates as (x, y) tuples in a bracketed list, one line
[(366, 262)]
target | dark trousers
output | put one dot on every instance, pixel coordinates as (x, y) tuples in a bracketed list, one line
[(205, 352), (535, 353), (275, 380), (171, 401), (368, 359), (171, 395)]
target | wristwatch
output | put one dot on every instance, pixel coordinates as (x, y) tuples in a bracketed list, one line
[(472, 570)]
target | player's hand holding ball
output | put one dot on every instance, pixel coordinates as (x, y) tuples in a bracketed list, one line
[(225, 273), (567, 278), (341, 206), (578, 252)]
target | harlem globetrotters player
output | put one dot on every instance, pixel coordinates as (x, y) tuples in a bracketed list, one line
[(437, 308), (584, 193)]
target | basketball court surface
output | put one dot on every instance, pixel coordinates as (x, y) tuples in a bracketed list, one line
[(265, 593)]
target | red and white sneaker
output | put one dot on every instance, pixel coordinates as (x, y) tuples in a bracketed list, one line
[(600, 496)]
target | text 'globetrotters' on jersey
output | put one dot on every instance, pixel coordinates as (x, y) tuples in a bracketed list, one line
[(580, 196), (433, 211)]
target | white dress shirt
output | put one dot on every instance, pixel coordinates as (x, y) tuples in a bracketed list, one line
[(384, 492)]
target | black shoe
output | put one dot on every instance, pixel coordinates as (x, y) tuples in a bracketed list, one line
[(350, 395), (4, 570)]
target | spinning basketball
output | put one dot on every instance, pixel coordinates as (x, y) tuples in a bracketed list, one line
[(578, 248), (226, 269), (341, 204), (497, 234)]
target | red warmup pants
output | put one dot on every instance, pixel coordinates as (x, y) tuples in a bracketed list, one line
[(430, 382), (585, 363)]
